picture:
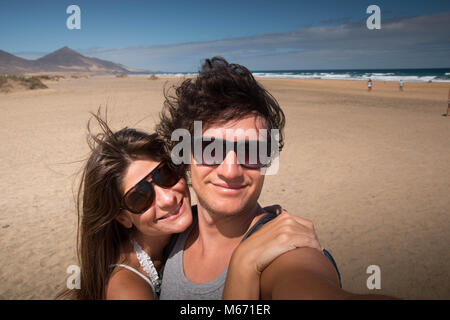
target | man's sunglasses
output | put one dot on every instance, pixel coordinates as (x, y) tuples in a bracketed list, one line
[(140, 197), (251, 154)]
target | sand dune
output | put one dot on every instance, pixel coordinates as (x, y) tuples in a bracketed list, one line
[(371, 169)]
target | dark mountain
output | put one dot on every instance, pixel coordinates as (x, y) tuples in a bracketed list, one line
[(62, 60), (8, 61)]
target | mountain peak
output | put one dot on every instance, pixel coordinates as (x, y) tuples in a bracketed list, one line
[(61, 60), (65, 49)]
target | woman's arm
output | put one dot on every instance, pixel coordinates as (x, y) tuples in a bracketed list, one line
[(252, 256)]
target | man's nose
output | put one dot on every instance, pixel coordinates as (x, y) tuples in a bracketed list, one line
[(229, 168)]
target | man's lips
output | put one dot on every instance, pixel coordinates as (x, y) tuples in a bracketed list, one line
[(230, 187)]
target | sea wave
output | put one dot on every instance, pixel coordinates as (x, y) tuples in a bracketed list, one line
[(345, 75), (376, 76), (179, 74)]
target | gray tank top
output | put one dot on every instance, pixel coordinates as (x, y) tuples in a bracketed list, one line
[(175, 286)]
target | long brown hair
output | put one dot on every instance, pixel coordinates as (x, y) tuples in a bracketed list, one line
[(100, 235)]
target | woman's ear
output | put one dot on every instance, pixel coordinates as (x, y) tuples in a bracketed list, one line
[(124, 219)]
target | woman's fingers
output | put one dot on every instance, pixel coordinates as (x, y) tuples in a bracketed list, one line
[(306, 222), (304, 240), (299, 230), (286, 227), (283, 222)]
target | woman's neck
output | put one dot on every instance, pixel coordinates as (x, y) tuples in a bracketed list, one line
[(152, 245)]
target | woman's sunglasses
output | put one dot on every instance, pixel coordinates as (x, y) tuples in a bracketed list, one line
[(140, 197), (251, 154)]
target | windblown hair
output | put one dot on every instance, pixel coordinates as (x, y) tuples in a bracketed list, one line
[(100, 235), (222, 92)]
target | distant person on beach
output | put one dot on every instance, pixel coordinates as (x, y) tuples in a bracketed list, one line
[(230, 102), (369, 85), (132, 199), (448, 105), (400, 85)]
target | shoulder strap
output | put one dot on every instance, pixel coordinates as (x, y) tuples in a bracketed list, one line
[(266, 218), (147, 264), (136, 272), (330, 257)]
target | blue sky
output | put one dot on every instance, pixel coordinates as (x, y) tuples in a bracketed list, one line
[(263, 35)]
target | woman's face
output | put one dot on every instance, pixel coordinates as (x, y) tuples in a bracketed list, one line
[(170, 211)]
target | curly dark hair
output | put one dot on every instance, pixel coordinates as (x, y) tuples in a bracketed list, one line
[(222, 92)]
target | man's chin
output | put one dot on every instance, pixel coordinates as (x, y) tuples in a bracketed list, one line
[(226, 207)]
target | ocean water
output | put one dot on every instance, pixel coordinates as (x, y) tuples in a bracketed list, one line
[(418, 75)]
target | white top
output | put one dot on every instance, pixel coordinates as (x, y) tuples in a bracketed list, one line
[(146, 263)]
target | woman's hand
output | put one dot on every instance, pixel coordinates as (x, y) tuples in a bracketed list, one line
[(284, 233), (280, 235)]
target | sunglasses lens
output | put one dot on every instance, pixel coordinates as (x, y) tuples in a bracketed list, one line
[(253, 154), (256, 154), (141, 198), (166, 177), (142, 195)]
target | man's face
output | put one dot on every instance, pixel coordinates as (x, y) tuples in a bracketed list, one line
[(229, 188)]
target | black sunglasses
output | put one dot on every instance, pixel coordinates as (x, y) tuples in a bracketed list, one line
[(251, 154), (140, 197)]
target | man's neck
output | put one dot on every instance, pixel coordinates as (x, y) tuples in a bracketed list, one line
[(213, 240), (215, 230)]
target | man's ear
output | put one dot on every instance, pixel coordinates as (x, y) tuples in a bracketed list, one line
[(124, 219)]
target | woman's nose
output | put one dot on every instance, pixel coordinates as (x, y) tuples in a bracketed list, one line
[(165, 198)]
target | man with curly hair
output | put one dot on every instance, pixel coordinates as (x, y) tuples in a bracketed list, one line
[(226, 99)]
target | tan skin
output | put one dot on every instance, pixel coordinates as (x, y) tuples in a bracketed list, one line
[(154, 229), (227, 208)]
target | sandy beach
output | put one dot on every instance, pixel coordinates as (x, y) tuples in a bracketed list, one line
[(371, 169)]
